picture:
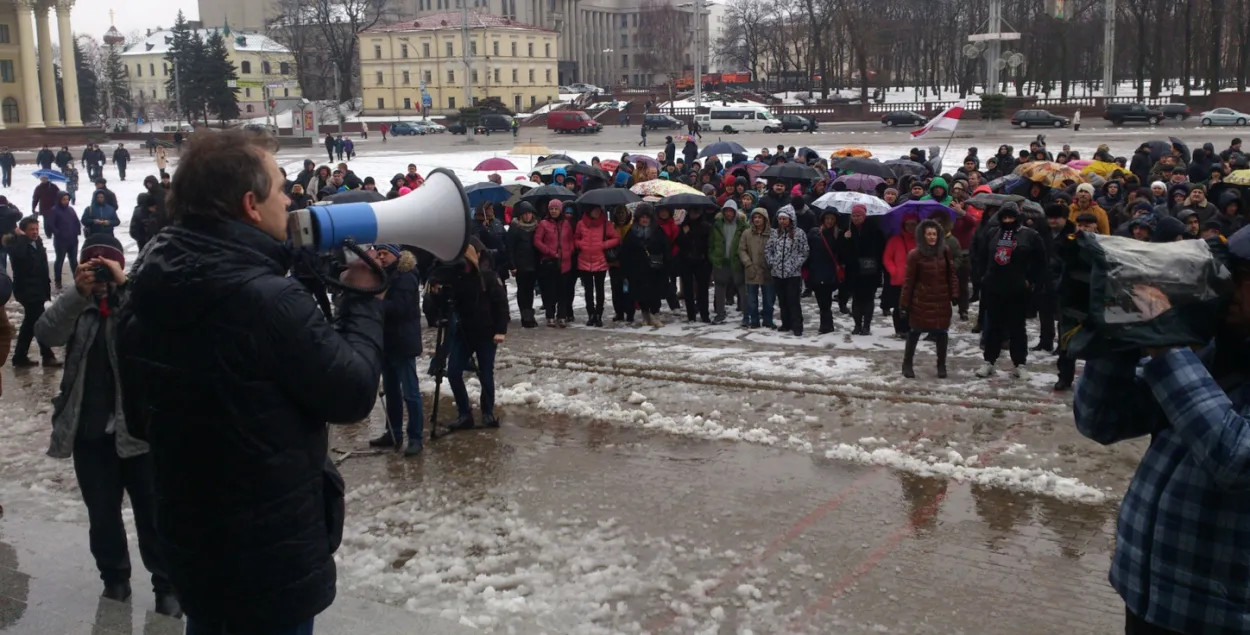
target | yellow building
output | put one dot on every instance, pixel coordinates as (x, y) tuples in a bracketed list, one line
[(26, 99), (401, 62), (260, 63)]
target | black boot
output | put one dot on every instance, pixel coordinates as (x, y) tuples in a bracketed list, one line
[(909, 354), (414, 447), (385, 441), (463, 422), (943, 339), (167, 604), (117, 591), (490, 421)]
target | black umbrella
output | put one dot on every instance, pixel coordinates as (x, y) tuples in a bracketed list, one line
[(562, 157), (805, 152), (1158, 148), (722, 147), (686, 201), (903, 167), (355, 196), (1182, 147), (553, 161), (865, 166), (994, 200), (540, 196), (587, 170), (791, 172), (608, 197)]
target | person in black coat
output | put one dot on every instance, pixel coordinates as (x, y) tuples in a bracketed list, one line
[(670, 150), (230, 371), (45, 158), (696, 268), (109, 197), (775, 199), (7, 163), (32, 287), (1014, 261), (479, 326), (401, 345), (519, 243), (329, 144), (823, 268), (860, 248), (9, 217), (64, 158), (145, 219), (690, 151), (121, 157), (306, 174), (643, 261)]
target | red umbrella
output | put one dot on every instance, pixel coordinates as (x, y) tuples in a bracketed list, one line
[(610, 165), (491, 165)]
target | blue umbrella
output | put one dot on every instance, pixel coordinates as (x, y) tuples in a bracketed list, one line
[(52, 175), (486, 192)]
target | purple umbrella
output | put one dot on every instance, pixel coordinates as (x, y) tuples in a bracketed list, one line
[(866, 183), (642, 158), (893, 222)]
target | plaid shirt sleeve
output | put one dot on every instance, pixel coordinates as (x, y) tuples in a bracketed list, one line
[(1216, 434), (1112, 404)]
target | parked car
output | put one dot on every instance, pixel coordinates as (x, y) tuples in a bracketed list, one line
[(573, 122), (904, 118), (1028, 118), (1119, 114), (1178, 112), (434, 126), (403, 128), (494, 123), (585, 88), (457, 127), (424, 127), (1224, 117), (563, 90), (797, 122), (655, 122)]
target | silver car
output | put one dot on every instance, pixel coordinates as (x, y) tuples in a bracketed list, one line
[(1224, 117)]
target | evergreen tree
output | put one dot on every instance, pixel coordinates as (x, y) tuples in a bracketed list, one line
[(117, 82), (184, 54), (88, 85), (217, 72)]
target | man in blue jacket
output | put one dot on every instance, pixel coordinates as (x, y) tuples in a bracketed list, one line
[(1182, 557)]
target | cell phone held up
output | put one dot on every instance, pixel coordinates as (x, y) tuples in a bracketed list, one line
[(103, 273)]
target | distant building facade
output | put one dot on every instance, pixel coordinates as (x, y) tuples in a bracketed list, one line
[(27, 99)]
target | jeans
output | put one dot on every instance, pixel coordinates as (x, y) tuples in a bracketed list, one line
[(195, 627), (103, 477), (788, 292), (753, 303), (26, 332), (62, 255), (622, 299), (1004, 318), (399, 382), (726, 278), (592, 284), (8, 177), (695, 277), (458, 362)]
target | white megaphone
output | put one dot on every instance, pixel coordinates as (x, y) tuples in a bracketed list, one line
[(434, 217)]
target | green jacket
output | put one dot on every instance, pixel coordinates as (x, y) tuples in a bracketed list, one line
[(938, 182), (716, 243)]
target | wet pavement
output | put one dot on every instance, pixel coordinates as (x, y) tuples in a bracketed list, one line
[(694, 479)]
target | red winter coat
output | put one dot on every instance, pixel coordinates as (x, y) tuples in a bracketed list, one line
[(896, 251), (671, 230), (555, 240), (592, 237), (413, 181), (963, 230)]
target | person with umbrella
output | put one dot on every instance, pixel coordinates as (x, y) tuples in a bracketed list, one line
[(553, 239), (592, 239), (1014, 262), (45, 196), (696, 270), (824, 272), (643, 258), (519, 242), (930, 286), (786, 253), (622, 298), (726, 266)]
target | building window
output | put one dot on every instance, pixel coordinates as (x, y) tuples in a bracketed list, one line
[(11, 113), (495, 48), (531, 76), (250, 108), (152, 70), (514, 79), (530, 48), (164, 70), (265, 68), (635, 19), (286, 92), (407, 80), (407, 103), (4, 39), (472, 47), (516, 103), (450, 51), (496, 76), (425, 49), (138, 70), (451, 76), (624, 21), (153, 93), (624, 61), (245, 68), (549, 76), (429, 77), (475, 76), (377, 51), (247, 92), (624, 40), (6, 72), (284, 68), (533, 101), (381, 103), (547, 50), (403, 51), (451, 102), (514, 49), (379, 78)]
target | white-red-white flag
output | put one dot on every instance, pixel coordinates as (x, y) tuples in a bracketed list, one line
[(947, 120)]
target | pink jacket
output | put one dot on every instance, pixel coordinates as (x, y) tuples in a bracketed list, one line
[(554, 241), (593, 237)]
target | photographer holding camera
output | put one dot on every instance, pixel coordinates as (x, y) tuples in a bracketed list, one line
[(472, 298), (230, 371), (88, 425), (1181, 552)]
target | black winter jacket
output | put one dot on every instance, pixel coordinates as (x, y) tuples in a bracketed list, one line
[(231, 372), (822, 260), (121, 156), (692, 246), (45, 159), (519, 243), (401, 334), (31, 280), (64, 158), (9, 218), (861, 253), (1012, 260), (481, 306)]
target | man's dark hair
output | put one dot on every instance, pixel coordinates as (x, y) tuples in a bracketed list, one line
[(216, 171), (27, 222)]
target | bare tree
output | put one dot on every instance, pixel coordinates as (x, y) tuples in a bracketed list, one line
[(323, 34), (663, 35)]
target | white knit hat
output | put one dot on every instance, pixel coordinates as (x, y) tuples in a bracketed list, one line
[(1085, 187), (1158, 184)]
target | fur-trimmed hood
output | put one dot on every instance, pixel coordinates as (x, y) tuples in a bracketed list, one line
[(923, 247)]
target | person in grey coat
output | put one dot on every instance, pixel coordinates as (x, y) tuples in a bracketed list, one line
[(88, 425)]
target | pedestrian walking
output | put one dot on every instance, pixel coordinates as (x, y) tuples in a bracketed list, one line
[(930, 288), (121, 157), (786, 252), (7, 163), (553, 239), (88, 426), (63, 225), (339, 146), (45, 158), (524, 258), (385, 128), (643, 131), (10, 215), (330, 144), (401, 346), (1076, 121), (32, 287), (592, 239), (644, 255), (71, 183), (727, 275), (63, 158), (45, 196)]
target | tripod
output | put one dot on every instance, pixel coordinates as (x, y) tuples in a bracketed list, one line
[(438, 368)]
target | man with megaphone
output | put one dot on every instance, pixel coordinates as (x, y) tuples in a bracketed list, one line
[(231, 372)]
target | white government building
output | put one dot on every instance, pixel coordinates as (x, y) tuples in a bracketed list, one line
[(26, 99)]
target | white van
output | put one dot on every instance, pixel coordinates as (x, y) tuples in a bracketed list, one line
[(743, 119)]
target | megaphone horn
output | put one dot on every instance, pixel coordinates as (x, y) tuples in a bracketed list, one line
[(434, 217)]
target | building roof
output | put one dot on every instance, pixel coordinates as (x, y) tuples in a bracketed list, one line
[(159, 41), (452, 20)]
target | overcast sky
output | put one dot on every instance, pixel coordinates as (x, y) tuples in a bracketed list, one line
[(92, 16)]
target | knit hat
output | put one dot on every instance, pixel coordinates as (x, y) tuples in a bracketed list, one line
[(709, 189), (1085, 187), (1141, 206), (1158, 184), (888, 190), (1056, 211), (394, 249), (554, 204), (103, 246), (369, 181)]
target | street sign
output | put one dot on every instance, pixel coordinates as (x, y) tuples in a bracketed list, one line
[(426, 102), (139, 121), (232, 83), (249, 84)]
